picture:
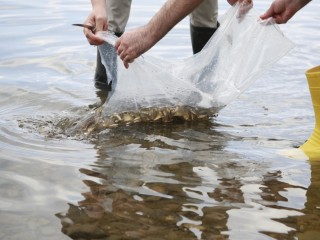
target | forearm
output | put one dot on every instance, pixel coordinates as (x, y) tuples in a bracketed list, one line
[(304, 2), (136, 42), (99, 8), (98, 4), (98, 19), (172, 12)]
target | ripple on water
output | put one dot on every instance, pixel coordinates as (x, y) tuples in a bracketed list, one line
[(219, 179)]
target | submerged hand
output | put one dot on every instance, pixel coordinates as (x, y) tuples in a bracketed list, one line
[(132, 44)]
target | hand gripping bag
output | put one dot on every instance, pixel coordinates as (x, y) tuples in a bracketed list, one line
[(157, 89)]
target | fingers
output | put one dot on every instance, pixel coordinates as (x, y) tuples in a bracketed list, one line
[(92, 38), (100, 23), (126, 57), (127, 60), (279, 13), (245, 6), (245, 1), (120, 49), (124, 53), (269, 13), (281, 19), (132, 44)]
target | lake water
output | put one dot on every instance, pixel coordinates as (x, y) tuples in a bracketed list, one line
[(223, 179)]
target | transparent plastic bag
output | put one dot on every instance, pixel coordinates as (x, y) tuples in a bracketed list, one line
[(239, 51), (156, 89)]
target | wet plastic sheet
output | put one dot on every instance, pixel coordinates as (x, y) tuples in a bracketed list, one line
[(239, 51)]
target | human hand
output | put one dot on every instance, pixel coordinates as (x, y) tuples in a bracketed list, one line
[(132, 44), (245, 6), (283, 10), (98, 19)]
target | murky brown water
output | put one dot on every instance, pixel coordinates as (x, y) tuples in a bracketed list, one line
[(217, 179)]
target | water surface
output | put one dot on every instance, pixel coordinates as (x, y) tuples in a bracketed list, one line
[(223, 179)]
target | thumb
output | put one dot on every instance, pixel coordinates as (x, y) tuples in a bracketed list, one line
[(269, 13)]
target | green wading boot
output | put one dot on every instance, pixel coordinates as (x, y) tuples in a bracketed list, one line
[(200, 36), (100, 76)]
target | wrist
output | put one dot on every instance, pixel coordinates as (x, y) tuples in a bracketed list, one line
[(305, 2), (302, 3), (148, 32), (98, 3)]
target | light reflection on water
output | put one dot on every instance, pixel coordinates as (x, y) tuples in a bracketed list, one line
[(208, 180)]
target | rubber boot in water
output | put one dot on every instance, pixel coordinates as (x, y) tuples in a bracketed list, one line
[(100, 76), (312, 147), (200, 36)]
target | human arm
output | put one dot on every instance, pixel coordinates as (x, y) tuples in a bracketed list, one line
[(98, 19), (283, 10), (136, 42)]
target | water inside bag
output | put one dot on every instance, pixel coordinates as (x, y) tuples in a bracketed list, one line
[(155, 89)]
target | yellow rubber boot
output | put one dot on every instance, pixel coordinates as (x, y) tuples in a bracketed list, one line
[(312, 147)]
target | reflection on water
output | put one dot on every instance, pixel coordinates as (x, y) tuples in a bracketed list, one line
[(154, 184), (134, 191), (217, 179)]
